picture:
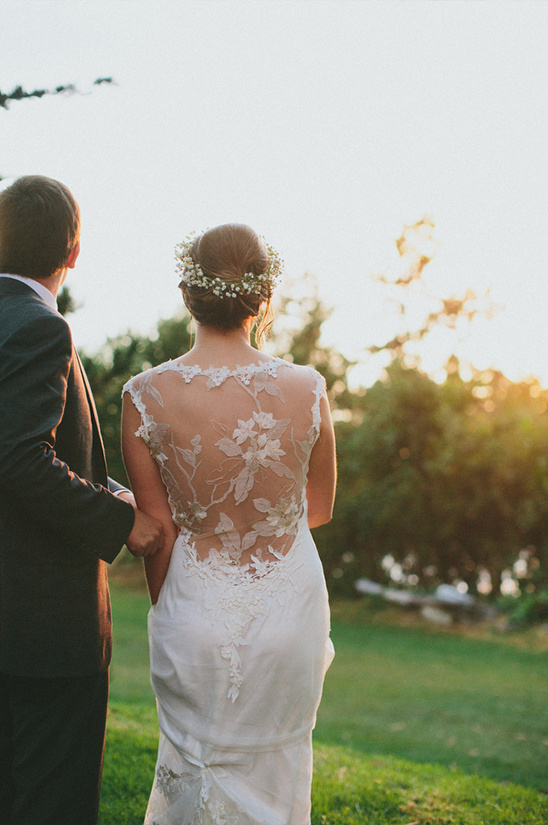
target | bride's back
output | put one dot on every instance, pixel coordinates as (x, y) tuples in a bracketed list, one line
[(240, 622), (233, 447)]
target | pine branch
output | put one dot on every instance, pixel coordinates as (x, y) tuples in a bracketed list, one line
[(20, 94)]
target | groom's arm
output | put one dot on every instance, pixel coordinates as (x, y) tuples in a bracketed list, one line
[(34, 367)]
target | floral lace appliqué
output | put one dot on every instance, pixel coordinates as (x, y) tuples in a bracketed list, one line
[(238, 596), (197, 786), (235, 479)]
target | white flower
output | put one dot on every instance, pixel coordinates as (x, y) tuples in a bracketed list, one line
[(283, 516), (192, 274), (244, 430), (197, 511), (155, 439), (254, 458), (262, 452), (273, 449), (261, 566), (265, 420)]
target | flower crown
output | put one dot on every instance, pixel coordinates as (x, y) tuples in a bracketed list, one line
[(249, 284)]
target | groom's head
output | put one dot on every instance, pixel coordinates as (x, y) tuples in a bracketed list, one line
[(39, 227)]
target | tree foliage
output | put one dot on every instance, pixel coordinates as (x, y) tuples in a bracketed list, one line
[(441, 483), (117, 361), (20, 94), (66, 303), (416, 248), (438, 482), (301, 342)]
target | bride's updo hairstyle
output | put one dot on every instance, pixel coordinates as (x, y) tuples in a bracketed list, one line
[(227, 276)]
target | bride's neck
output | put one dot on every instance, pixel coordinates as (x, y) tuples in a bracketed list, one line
[(213, 344)]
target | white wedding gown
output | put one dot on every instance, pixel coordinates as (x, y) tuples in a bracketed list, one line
[(239, 638)]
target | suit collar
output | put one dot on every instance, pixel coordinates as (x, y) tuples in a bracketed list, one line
[(41, 290)]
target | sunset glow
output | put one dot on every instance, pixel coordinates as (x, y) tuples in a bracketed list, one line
[(328, 126)]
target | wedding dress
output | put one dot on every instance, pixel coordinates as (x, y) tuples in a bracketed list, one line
[(239, 637)]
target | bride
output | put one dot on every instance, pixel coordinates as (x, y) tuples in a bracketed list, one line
[(234, 452)]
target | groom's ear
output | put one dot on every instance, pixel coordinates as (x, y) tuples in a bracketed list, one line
[(71, 260)]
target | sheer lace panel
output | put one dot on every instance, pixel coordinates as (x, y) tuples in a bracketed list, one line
[(233, 448)]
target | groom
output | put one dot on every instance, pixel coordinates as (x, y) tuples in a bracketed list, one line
[(61, 519)]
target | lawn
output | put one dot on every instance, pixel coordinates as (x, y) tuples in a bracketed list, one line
[(417, 725)]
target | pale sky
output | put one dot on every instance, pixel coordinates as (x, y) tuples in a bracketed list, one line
[(325, 124)]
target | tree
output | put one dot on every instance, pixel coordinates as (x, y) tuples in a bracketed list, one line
[(130, 353), (119, 359), (20, 94), (66, 303), (416, 248), (301, 343), (437, 482), (441, 483)]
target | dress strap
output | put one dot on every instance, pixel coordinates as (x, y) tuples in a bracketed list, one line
[(135, 392), (320, 391)]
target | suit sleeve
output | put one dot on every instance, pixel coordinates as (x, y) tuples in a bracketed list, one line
[(116, 488), (34, 367)]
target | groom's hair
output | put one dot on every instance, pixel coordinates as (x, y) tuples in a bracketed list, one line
[(39, 226)]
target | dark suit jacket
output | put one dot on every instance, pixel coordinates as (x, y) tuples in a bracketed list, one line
[(59, 524)]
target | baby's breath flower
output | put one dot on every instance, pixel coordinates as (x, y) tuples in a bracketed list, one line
[(192, 274)]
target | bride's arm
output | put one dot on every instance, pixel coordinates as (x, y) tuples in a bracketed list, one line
[(149, 492), (322, 471)]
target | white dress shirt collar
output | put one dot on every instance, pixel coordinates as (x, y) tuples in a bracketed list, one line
[(39, 288)]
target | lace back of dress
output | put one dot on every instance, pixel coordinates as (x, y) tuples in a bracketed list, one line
[(233, 448)]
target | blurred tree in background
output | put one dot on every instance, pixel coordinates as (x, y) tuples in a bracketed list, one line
[(300, 342), (442, 483), (68, 89), (20, 94), (438, 482), (115, 363)]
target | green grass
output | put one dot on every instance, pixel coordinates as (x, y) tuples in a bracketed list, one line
[(431, 696), (416, 725)]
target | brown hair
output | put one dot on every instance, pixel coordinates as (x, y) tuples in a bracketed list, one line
[(229, 252), (39, 226)]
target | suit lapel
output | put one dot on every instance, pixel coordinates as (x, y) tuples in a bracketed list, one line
[(98, 452)]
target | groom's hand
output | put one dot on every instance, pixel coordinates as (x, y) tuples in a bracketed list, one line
[(146, 537)]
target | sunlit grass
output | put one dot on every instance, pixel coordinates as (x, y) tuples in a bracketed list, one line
[(350, 789), (429, 695), (415, 726)]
